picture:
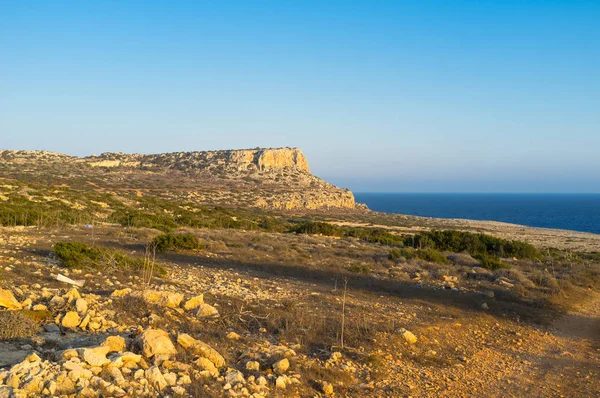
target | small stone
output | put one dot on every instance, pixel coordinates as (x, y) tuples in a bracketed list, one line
[(253, 366), (156, 378), (194, 302), (327, 388), (95, 356), (408, 336), (121, 292), (485, 306), (281, 366), (115, 344), (233, 336), (81, 305), (71, 320), (207, 311), (280, 383), (52, 328)]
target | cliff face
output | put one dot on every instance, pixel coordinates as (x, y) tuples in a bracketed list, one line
[(268, 178), (238, 160)]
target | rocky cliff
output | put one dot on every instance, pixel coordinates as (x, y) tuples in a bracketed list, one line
[(276, 178)]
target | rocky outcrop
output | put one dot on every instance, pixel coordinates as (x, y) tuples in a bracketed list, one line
[(235, 160), (273, 178)]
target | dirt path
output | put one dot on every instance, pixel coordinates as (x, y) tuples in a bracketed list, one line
[(565, 361)]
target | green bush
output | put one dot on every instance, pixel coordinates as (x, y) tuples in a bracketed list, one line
[(318, 228), (429, 255), (489, 262), (372, 235), (80, 255), (76, 254), (360, 269), (475, 244), (176, 242)]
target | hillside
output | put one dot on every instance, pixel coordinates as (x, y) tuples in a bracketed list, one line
[(241, 274), (264, 178)]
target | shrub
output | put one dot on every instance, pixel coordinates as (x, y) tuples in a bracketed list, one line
[(373, 235), (80, 255), (489, 262), (316, 228), (76, 254), (360, 269), (176, 242), (475, 244), (430, 255), (15, 325)]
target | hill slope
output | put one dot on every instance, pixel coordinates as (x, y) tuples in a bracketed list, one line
[(266, 178)]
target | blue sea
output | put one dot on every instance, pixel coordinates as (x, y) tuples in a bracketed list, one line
[(578, 212)]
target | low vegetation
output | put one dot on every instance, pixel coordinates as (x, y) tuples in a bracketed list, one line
[(372, 235), (16, 325), (475, 244), (430, 255), (79, 255), (176, 242)]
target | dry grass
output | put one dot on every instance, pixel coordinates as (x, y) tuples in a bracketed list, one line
[(16, 325)]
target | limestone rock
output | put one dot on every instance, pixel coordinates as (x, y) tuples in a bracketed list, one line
[(155, 342), (408, 336), (81, 305), (156, 378), (281, 382), (207, 311), (253, 366), (194, 302), (95, 356), (167, 299), (281, 366), (205, 364), (71, 320), (121, 292), (200, 348), (327, 388), (115, 344), (7, 300)]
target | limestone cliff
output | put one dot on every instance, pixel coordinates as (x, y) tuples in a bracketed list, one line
[(269, 178)]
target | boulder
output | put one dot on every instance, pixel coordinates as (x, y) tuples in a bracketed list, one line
[(71, 320), (95, 356), (155, 342), (194, 302), (115, 344), (81, 305), (281, 366), (206, 311), (156, 378), (7, 300), (200, 348), (167, 299), (206, 365)]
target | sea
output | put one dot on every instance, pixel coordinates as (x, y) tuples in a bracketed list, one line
[(577, 212)]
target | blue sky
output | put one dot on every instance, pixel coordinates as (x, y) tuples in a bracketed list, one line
[(442, 96)]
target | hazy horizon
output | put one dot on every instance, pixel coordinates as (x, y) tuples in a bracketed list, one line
[(424, 96)]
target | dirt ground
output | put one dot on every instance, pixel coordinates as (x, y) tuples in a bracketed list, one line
[(463, 350)]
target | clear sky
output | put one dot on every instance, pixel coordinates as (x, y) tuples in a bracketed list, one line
[(476, 96)]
